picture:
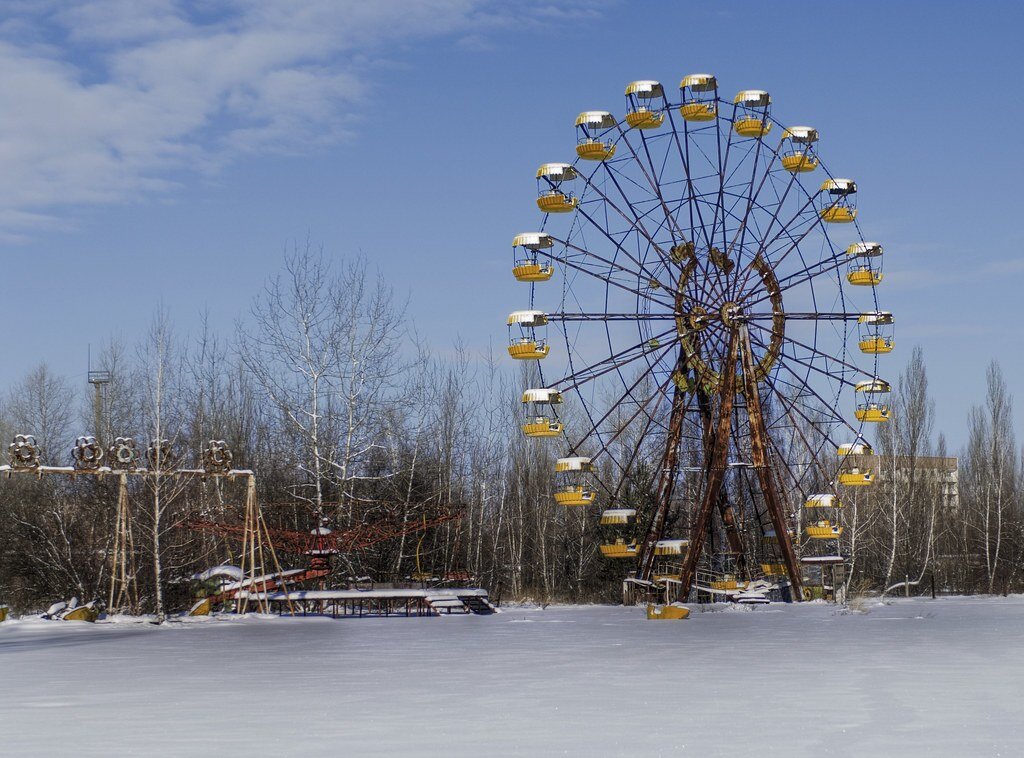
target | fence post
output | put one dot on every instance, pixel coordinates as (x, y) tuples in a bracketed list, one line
[(933, 586), (906, 585)]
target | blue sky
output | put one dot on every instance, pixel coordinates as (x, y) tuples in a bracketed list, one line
[(151, 152)]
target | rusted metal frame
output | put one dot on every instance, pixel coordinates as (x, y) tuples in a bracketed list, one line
[(714, 468), (725, 509), (762, 466), (666, 484)]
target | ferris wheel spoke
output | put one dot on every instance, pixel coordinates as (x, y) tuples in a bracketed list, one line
[(618, 245), (824, 266), (754, 203), (635, 221), (596, 425), (810, 364), (818, 351), (574, 316), (684, 157), (816, 424), (601, 276), (784, 230), (723, 162), (790, 408), (616, 361), (660, 394), (650, 177), (829, 414)]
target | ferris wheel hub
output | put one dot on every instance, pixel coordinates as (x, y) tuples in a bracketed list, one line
[(729, 313)]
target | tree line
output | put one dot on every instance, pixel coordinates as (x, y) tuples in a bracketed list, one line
[(347, 417)]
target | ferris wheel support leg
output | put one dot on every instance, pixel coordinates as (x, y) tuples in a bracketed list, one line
[(762, 466), (725, 509), (666, 483), (717, 457)]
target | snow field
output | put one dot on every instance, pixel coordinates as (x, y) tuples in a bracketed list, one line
[(914, 678)]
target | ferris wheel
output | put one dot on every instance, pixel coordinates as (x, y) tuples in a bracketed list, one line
[(702, 315)]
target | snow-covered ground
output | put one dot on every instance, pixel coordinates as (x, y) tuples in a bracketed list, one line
[(914, 678)]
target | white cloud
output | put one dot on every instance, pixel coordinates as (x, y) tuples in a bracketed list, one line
[(107, 101)]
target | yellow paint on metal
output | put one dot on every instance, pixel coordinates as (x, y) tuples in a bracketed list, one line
[(874, 413), (799, 163), (645, 119), (526, 350), (698, 111), (618, 549), (838, 215), (824, 530), (543, 428), (752, 127), (856, 478), (667, 611), (557, 202), (874, 345), (533, 271), (84, 613), (595, 150), (864, 277), (575, 495)]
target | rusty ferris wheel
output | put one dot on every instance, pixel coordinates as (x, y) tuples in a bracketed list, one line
[(701, 298)]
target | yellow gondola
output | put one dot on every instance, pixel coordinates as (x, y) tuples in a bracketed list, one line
[(671, 612), (643, 111), (618, 516), (854, 448), (876, 332), (551, 192), (838, 206), (540, 419), (699, 97), (855, 477), (87, 613), (592, 143), (524, 341), (873, 405), (528, 266), (575, 495), (773, 569), (618, 549), (823, 501), (751, 119), (865, 267), (574, 484), (824, 530), (797, 149), (670, 547)]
